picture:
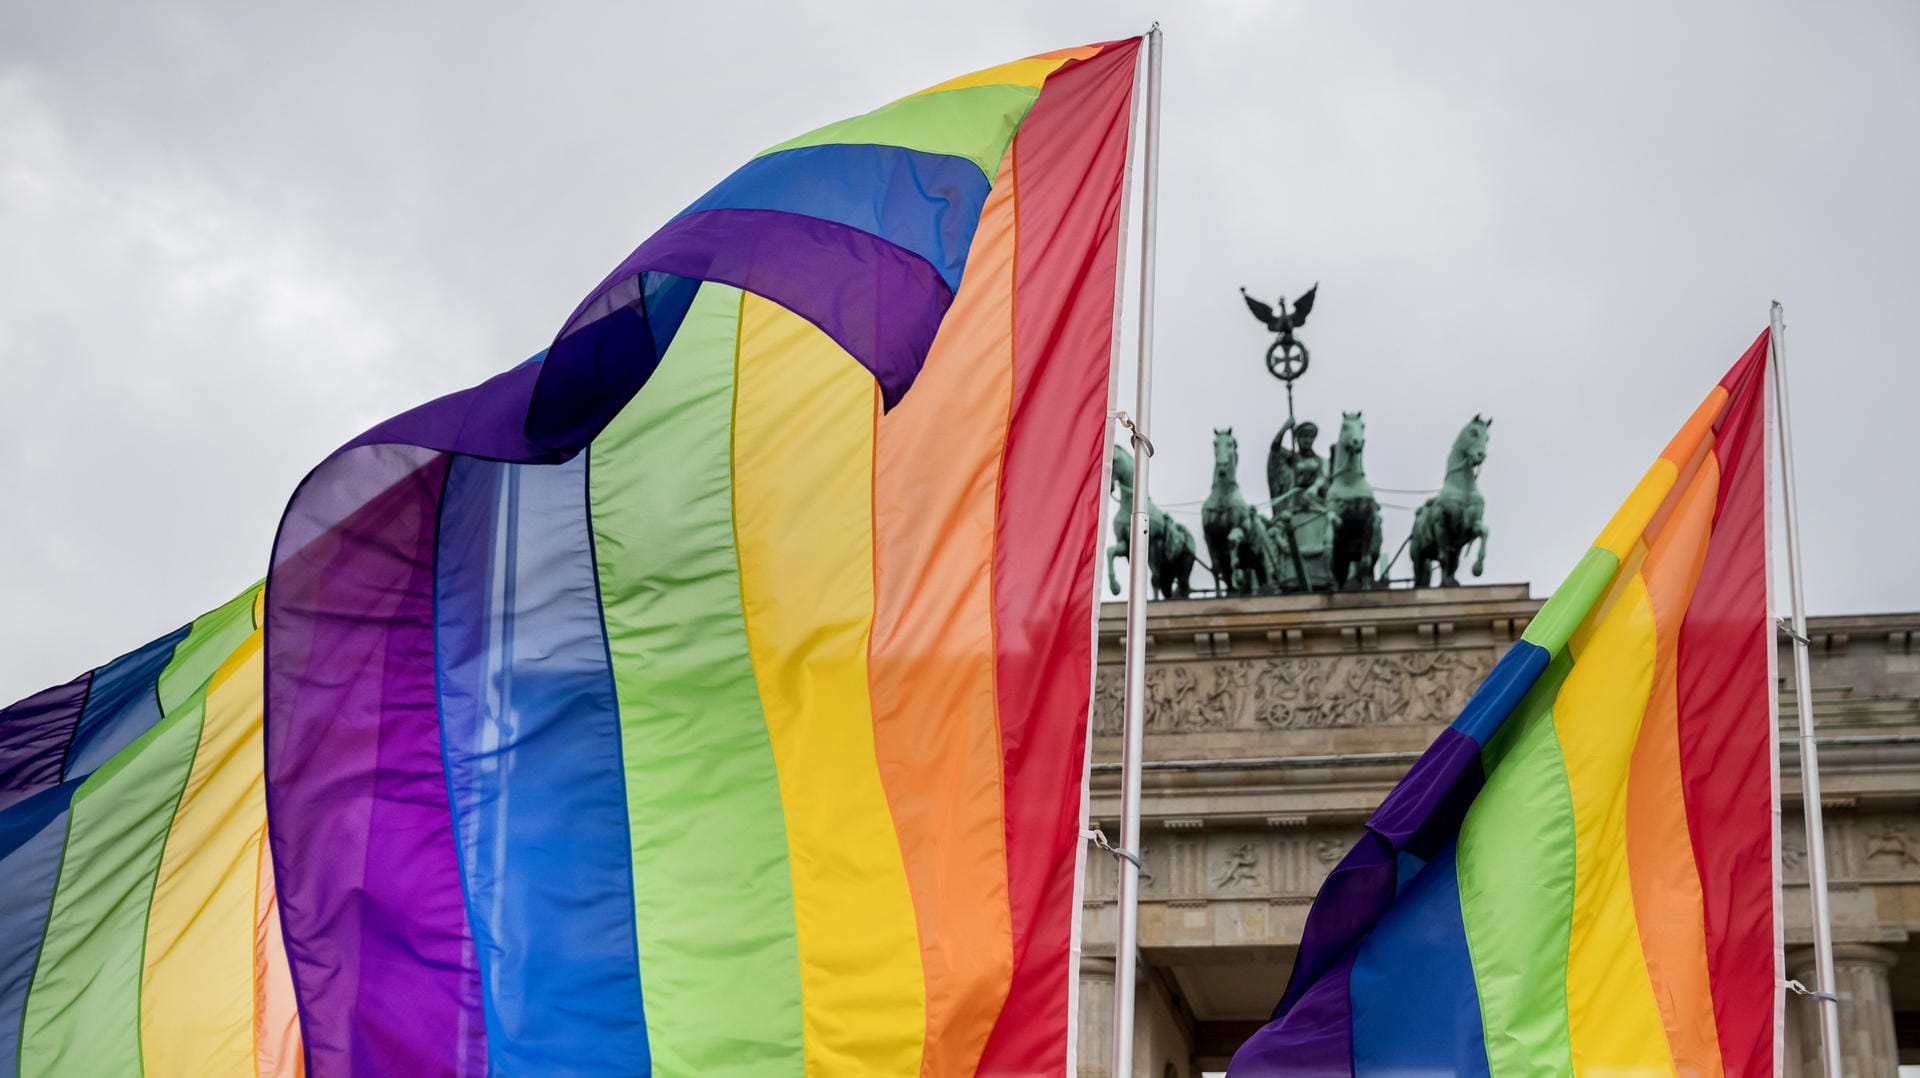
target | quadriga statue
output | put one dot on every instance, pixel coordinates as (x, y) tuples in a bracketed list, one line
[(1170, 549), (1352, 507), (1245, 560), (1456, 516)]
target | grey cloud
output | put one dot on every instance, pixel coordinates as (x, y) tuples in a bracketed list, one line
[(236, 234)]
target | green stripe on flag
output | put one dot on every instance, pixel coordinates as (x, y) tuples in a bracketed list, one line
[(1554, 625), (1516, 862), (83, 1008), (208, 644), (976, 122), (713, 892)]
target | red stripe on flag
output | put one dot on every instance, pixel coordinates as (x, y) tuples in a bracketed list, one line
[(1069, 161), (1725, 736)]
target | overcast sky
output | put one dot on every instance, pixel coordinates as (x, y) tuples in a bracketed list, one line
[(234, 235)]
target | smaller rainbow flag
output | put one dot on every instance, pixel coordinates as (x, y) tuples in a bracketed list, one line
[(1578, 877), (139, 923)]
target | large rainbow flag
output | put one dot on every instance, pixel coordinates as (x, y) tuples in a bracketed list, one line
[(1579, 876), (706, 695)]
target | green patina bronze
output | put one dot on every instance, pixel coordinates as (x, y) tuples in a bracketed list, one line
[(1321, 527), (1295, 467), (1456, 516), (1297, 486), (1245, 558), (1170, 549), (1354, 511), (1298, 479)]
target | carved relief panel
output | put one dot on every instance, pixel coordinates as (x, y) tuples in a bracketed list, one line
[(1293, 693)]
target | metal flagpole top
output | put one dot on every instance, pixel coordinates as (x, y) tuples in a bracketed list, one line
[(1126, 932), (1825, 1000)]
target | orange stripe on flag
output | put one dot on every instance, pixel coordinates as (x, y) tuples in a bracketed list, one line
[(1666, 883), (276, 1021), (931, 665)]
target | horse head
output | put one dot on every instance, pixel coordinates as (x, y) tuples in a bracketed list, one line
[(1353, 433), (1122, 470), (1470, 447), (1226, 450)]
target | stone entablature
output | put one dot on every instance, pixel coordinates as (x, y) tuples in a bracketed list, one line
[(1277, 724), (1230, 678)]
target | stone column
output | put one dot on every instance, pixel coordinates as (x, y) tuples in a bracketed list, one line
[(1096, 1017), (1867, 1046), (1161, 1045)]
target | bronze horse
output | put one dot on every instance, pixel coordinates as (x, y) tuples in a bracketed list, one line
[(1243, 564), (1170, 549), (1455, 517), (1354, 509)]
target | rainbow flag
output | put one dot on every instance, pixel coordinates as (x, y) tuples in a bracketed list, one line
[(1579, 876), (691, 699), (139, 931), (708, 695)]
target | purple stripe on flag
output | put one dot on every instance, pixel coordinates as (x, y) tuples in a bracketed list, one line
[(488, 421), (33, 738), (878, 300), (369, 880), (1354, 895), (1316, 1041), (1421, 814), (1424, 812)]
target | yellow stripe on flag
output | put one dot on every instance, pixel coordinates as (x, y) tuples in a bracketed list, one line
[(803, 521)]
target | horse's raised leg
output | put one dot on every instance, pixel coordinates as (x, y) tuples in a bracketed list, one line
[(1480, 560), (1219, 559), (1180, 558), (1370, 566), (1419, 548), (1353, 571), (1113, 582)]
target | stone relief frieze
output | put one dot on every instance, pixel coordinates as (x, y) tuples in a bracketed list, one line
[(1365, 690), (1294, 693), (1235, 862), (1226, 864), (1891, 847), (1793, 857), (1109, 697), (1237, 868)]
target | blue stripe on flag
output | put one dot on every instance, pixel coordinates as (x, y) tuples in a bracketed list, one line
[(928, 203), (1497, 696), (123, 704), (1415, 1008), (532, 739)]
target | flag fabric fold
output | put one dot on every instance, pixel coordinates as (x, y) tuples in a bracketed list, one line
[(1578, 876), (139, 925), (705, 695)]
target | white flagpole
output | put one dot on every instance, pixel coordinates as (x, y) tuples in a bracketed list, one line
[(1125, 939), (1824, 998), (1074, 945)]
